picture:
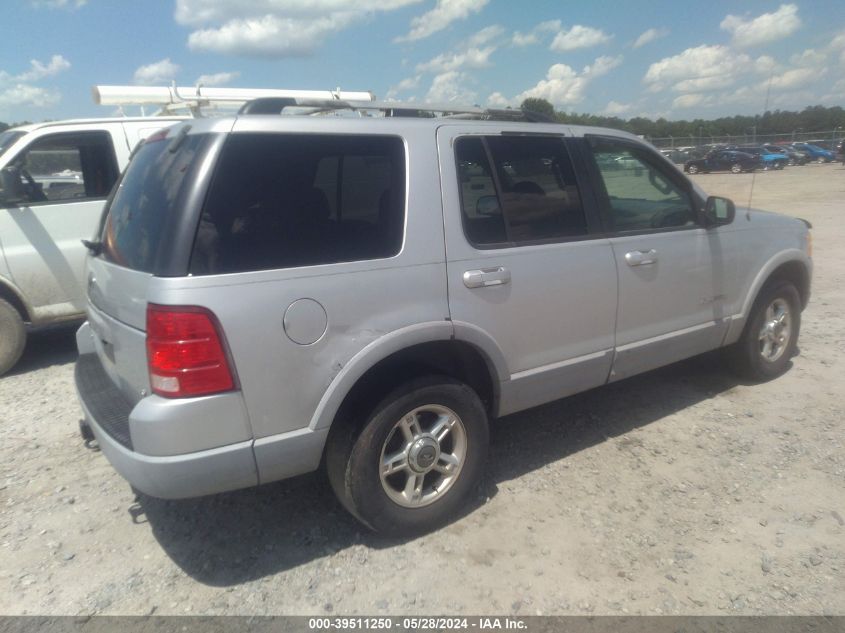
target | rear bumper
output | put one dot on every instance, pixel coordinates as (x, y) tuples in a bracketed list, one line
[(192, 474), (207, 434)]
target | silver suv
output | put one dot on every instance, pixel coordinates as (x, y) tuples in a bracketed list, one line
[(275, 294)]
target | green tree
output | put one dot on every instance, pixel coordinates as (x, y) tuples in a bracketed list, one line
[(542, 106)]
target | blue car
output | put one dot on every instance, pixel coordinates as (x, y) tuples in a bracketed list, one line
[(815, 152)]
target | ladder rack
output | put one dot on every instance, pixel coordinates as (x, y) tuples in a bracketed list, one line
[(192, 100)]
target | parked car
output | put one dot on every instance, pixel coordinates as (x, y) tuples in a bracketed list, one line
[(767, 159), (815, 153), (54, 179), (793, 157), (722, 160), (270, 294)]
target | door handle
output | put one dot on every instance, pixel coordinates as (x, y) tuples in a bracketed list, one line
[(497, 276), (641, 258)]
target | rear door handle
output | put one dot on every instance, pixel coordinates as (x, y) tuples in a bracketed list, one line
[(641, 258), (497, 276)]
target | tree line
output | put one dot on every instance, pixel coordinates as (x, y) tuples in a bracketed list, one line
[(811, 119)]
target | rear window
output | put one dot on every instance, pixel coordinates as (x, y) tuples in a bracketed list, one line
[(146, 196), (289, 200)]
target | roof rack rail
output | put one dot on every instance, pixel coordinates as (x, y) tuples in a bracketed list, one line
[(191, 100), (277, 105)]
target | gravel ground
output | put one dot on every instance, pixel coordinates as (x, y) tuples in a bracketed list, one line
[(681, 491)]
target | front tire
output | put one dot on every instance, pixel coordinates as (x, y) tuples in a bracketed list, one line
[(770, 337), (12, 336), (415, 461), (692, 169)]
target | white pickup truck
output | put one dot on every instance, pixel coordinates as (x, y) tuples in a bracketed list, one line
[(54, 180)]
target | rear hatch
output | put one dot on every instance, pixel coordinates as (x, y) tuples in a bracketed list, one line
[(147, 230)]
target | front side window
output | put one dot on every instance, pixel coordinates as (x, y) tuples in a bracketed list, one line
[(290, 200), (517, 190), (65, 168), (640, 194)]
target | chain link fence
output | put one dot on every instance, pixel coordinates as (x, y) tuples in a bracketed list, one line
[(830, 137)]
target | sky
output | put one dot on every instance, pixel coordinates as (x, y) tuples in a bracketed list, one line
[(672, 59)]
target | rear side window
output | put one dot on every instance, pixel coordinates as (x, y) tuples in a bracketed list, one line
[(290, 200), (517, 190), (146, 196)]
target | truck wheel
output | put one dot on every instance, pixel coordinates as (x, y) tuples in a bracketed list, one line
[(12, 336), (771, 333), (412, 465)]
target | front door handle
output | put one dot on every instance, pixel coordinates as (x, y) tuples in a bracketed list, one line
[(497, 276), (641, 258)]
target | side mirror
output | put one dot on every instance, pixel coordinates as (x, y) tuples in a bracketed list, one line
[(718, 211), (11, 188), (488, 205)]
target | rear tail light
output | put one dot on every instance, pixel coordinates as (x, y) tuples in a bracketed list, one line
[(186, 352)]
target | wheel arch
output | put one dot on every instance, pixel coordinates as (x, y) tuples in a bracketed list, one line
[(793, 266), (459, 350), (13, 296)]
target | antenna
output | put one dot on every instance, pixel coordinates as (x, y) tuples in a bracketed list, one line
[(754, 173)]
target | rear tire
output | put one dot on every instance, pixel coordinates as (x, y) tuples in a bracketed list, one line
[(12, 336), (770, 337), (736, 168), (413, 492), (692, 169)]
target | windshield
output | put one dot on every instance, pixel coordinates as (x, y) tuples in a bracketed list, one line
[(8, 138)]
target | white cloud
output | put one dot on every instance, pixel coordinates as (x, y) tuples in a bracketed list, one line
[(217, 79), (450, 87), (564, 85), (649, 36), (406, 84), (498, 100), (25, 95), (162, 71), (795, 78), (38, 70), (535, 34), (602, 65), (614, 108), (485, 35), (764, 28), (272, 28), (471, 58), (442, 15), (702, 68), (808, 58), (579, 36), (690, 101), (19, 91)]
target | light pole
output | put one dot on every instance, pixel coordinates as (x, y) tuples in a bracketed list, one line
[(800, 129)]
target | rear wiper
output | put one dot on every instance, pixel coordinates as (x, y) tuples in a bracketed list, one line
[(94, 246)]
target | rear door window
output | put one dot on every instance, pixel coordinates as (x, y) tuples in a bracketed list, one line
[(291, 200), (518, 190)]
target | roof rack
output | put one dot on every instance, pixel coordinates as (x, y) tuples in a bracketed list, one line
[(192, 100), (277, 105)]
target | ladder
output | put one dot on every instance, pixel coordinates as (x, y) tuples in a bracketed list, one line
[(193, 101)]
